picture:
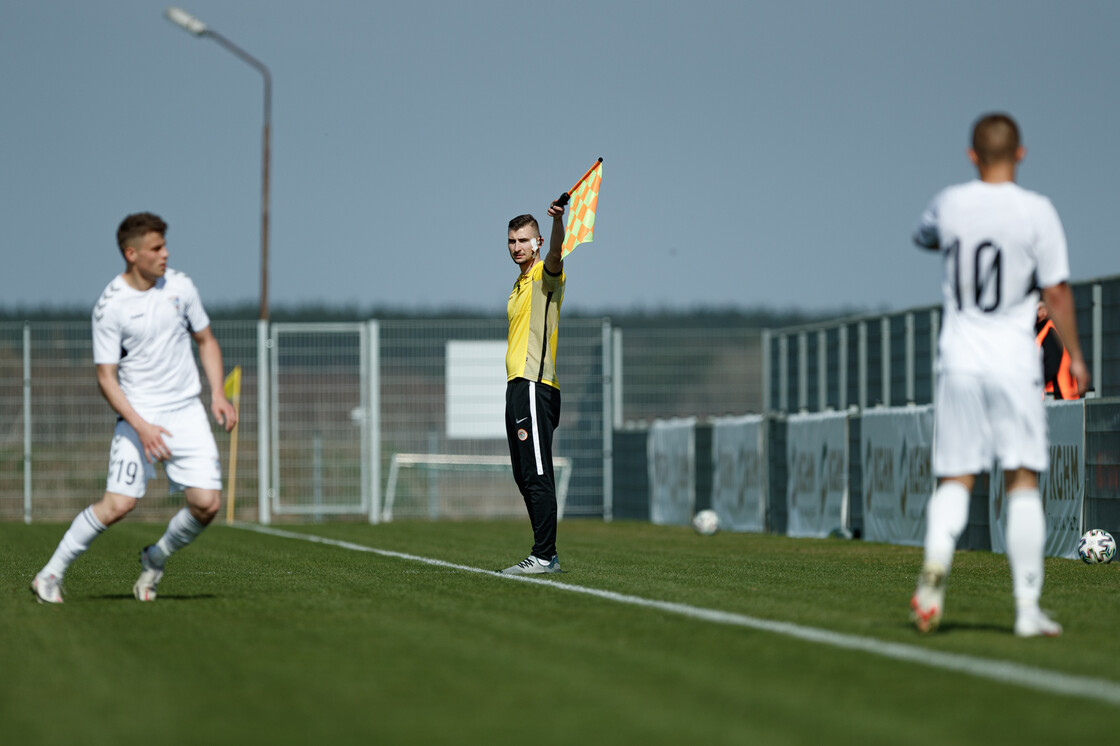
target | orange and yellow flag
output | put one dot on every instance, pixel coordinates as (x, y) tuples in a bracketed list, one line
[(581, 216)]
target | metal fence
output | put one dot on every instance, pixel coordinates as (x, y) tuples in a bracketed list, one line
[(415, 400), (705, 372), (320, 430), (1102, 465), (889, 359), (56, 426), (340, 400)]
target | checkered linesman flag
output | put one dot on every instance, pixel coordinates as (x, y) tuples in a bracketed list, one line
[(581, 218)]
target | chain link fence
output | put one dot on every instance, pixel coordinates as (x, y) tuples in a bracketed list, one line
[(67, 429), (418, 392), (345, 399)]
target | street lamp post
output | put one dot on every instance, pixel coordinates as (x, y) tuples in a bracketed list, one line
[(194, 26), (264, 491)]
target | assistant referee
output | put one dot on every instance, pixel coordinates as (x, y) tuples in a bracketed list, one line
[(532, 388)]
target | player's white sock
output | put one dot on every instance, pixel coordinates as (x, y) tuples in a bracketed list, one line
[(181, 530), (75, 542), (946, 517), (1026, 542)]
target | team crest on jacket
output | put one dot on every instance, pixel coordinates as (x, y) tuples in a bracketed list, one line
[(522, 435)]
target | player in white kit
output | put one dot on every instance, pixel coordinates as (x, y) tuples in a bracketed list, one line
[(1000, 244), (143, 325)]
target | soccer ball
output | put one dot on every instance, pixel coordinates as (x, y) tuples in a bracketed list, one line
[(706, 522), (1096, 547)]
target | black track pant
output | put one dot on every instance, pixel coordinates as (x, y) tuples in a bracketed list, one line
[(532, 413)]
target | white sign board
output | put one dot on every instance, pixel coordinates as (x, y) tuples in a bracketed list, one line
[(672, 465), (476, 389), (896, 445), (817, 490), (738, 473)]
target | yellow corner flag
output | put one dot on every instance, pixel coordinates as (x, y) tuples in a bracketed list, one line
[(581, 217), (233, 393), (233, 384)]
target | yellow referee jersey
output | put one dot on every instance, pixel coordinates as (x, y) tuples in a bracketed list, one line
[(534, 317)]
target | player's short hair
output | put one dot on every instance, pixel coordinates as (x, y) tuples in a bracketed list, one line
[(138, 225), (523, 220), (995, 138)]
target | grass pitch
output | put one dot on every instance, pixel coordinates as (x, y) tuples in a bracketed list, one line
[(257, 639)]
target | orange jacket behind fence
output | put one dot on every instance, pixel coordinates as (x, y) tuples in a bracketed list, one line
[(1067, 384)]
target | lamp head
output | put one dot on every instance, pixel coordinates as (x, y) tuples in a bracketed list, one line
[(185, 20)]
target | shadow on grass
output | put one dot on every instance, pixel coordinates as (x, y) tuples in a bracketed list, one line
[(948, 628), (945, 628), (162, 597)]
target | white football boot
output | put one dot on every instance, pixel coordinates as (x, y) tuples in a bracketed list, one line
[(928, 603), (47, 588), (150, 574), (1033, 622)]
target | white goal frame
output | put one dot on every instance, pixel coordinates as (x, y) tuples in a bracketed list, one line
[(450, 462)]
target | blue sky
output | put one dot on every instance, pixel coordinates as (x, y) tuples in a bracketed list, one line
[(755, 154)]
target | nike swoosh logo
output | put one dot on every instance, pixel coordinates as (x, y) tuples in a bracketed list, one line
[(522, 420)]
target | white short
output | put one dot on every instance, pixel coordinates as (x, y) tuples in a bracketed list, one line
[(194, 454), (977, 420)]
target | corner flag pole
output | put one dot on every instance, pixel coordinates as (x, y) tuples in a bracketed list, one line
[(232, 469), (233, 386), (563, 200)]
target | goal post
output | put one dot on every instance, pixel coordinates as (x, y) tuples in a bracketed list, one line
[(439, 462)]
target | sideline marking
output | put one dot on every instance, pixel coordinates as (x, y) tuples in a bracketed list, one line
[(1030, 677)]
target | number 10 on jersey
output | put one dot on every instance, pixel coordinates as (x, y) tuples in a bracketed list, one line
[(984, 280)]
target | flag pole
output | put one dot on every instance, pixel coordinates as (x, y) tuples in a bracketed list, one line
[(234, 382), (563, 200), (232, 466), (233, 463)]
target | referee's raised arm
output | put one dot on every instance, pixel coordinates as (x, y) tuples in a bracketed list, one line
[(553, 261)]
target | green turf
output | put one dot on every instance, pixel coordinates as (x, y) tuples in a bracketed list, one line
[(263, 640)]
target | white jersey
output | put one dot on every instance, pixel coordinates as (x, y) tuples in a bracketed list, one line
[(147, 335), (1000, 243)]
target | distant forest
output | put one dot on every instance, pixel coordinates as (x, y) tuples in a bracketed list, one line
[(632, 318)]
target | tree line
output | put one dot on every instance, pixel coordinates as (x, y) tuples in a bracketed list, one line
[(757, 317)]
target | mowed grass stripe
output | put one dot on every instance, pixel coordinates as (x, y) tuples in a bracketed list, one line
[(1031, 677)]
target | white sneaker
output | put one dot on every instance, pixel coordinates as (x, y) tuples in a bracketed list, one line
[(1035, 623), (150, 574), (47, 588), (534, 566), (928, 602)]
